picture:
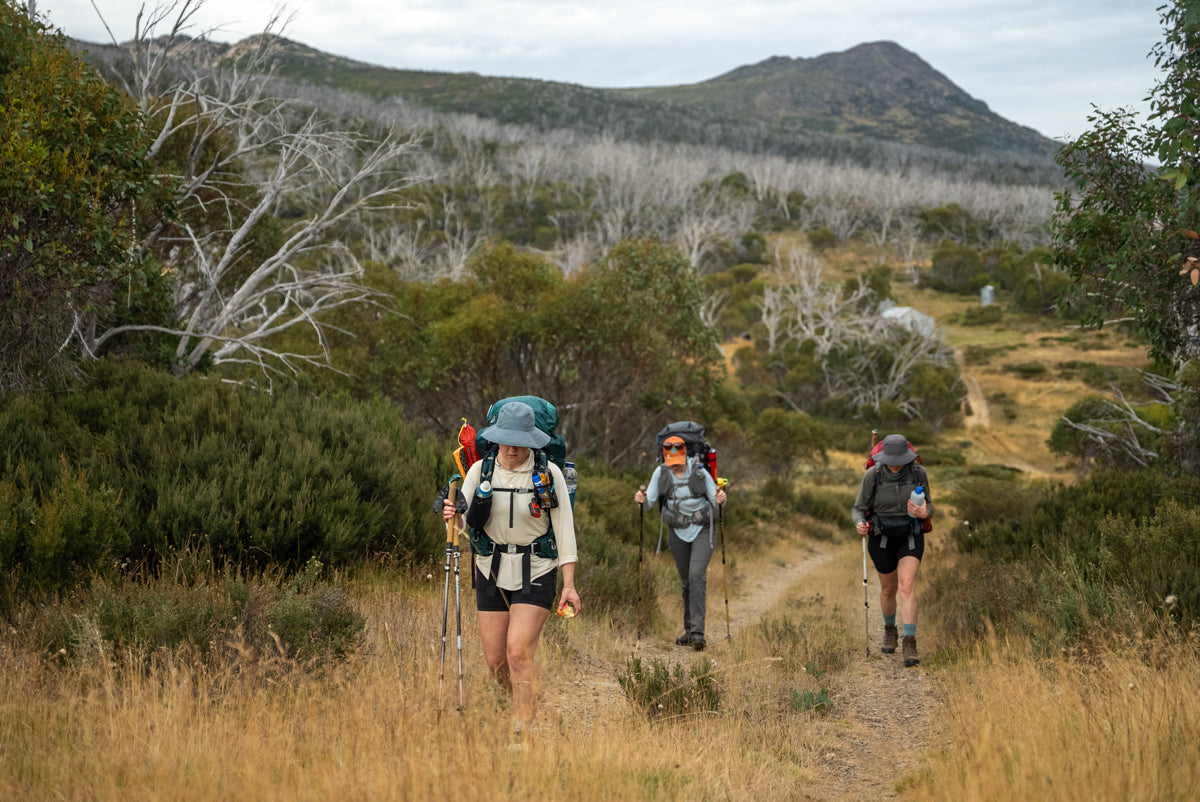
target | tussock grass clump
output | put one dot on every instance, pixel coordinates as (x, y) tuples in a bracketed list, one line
[(212, 616), (658, 690), (815, 639)]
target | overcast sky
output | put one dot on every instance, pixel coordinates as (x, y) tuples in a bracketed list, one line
[(1040, 63)]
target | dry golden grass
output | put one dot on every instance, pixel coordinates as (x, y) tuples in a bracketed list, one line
[(1114, 727), (373, 728)]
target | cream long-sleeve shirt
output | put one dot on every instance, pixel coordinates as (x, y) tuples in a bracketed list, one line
[(510, 521)]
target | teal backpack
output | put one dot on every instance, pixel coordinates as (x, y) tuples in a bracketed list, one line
[(545, 417)]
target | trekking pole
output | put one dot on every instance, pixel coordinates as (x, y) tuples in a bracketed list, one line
[(641, 536), (866, 604), (451, 547), (458, 616), (724, 568)]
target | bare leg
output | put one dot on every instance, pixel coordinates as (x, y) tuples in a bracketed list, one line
[(888, 584), (907, 585), (524, 628), (493, 636)]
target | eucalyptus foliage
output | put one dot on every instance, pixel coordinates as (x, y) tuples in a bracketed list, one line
[(1126, 231), (72, 167)]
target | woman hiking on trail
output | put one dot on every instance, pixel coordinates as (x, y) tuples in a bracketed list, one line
[(885, 513), (514, 585), (689, 511)]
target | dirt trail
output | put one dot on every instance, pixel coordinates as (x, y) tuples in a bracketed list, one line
[(978, 415), (884, 711)]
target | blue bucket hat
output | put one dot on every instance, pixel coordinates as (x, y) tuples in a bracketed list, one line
[(515, 426)]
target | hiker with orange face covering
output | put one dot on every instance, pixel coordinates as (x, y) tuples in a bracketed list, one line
[(687, 497)]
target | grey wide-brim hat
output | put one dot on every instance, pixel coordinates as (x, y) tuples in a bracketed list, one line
[(515, 426), (895, 451)]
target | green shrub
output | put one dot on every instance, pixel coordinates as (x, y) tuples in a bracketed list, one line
[(1068, 565), (48, 537), (660, 691), (822, 239), (318, 621), (1156, 557), (982, 315), (981, 355), (157, 463), (1027, 370), (817, 702), (825, 507), (72, 168), (1006, 403), (954, 267), (1000, 592)]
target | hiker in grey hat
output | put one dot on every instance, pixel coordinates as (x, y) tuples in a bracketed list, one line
[(885, 513), (515, 581)]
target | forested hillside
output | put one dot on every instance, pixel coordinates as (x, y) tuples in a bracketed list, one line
[(876, 105)]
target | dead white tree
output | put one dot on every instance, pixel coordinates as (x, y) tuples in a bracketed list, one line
[(864, 358), (1113, 430), (247, 155), (712, 307)]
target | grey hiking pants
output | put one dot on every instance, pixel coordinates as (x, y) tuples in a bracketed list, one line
[(691, 560)]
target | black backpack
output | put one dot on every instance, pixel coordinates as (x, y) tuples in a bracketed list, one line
[(693, 436)]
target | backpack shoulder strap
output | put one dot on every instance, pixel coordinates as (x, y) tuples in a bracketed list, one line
[(696, 483)]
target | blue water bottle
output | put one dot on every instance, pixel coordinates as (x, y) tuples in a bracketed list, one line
[(917, 496)]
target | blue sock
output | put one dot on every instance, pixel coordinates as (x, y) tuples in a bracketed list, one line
[(910, 630), (889, 620)]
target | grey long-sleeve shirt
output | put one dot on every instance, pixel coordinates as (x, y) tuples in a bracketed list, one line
[(890, 498)]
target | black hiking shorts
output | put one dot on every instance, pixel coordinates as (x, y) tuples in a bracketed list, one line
[(541, 593), (887, 558)]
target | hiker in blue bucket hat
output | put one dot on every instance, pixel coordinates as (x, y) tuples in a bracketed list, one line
[(522, 538)]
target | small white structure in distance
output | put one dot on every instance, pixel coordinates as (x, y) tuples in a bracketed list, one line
[(907, 317), (987, 295)]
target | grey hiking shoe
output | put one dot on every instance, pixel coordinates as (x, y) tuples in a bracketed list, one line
[(909, 648), (890, 639)]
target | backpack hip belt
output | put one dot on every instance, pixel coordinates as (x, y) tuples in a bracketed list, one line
[(914, 526), (545, 546), (677, 520)]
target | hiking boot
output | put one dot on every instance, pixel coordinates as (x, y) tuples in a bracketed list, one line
[(890, 639), (909, 647), (684, 640), (698, 643)]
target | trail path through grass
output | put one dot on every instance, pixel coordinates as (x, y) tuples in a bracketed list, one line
[(881, 718)]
